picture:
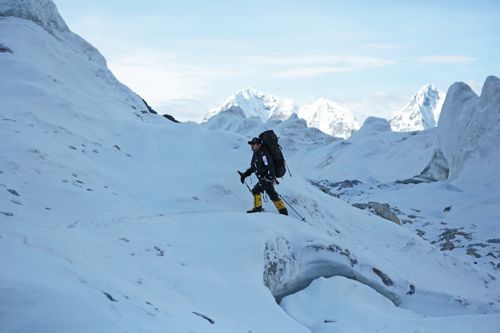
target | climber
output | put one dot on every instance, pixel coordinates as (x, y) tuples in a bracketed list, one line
[(262, 165)]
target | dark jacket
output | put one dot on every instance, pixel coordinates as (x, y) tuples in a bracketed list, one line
[(262, 165)]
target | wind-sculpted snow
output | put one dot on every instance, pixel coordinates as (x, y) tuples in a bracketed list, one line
[(287, 272), (469, 132)]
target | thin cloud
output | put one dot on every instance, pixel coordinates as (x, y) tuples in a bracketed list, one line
[(302, 72), (217, 44), (160, 77), (445, 60), (318, 60), (381, 46), (314, 65), (379, 103)]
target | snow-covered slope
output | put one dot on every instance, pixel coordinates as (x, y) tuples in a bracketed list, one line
[(249, 102), (373, 153), (330, 118), (421, 112), (113, 219)]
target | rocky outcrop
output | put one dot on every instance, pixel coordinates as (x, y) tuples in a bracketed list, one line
[(151, 110), (5, 49), (380, 209)]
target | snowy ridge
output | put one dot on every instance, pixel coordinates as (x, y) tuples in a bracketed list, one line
[(330, 118), (42, 12), (421, 112), (116, 219)]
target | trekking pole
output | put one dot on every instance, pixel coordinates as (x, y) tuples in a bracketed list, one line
[(303, 219), (248, 187), (245, 181), (287, 168)]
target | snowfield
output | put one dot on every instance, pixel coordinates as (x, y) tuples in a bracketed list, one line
[(115, 219)]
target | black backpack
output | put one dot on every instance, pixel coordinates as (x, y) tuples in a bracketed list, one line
[(270, 141)]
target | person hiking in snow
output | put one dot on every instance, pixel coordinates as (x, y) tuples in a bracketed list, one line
[(262, 165)]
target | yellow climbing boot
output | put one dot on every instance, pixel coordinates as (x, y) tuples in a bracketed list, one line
[(257, 204), (280, 206)]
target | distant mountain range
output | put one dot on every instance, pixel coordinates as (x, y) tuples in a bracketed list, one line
[(323, 114), (421, 112)]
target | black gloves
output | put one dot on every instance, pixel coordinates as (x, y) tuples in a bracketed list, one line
[(242, 177)]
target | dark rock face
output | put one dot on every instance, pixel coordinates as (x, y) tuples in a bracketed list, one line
[(13, 192), (151, 110), (385, 279), (473, 252), (5, 49), (447, 246), (494, 240), (169, 117)]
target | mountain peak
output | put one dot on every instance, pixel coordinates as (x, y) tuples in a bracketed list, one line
[(330, 118), (421, 112), (248, 91), (252, 103)]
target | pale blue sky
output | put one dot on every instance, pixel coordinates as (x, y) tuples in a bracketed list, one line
[(185, 57)]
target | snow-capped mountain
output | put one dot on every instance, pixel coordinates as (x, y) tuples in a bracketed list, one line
[(421, 112), (325, 115), (114, 219), (330, 118), (249, 103)]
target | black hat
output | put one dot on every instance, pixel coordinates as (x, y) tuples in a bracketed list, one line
[(254, 141)]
